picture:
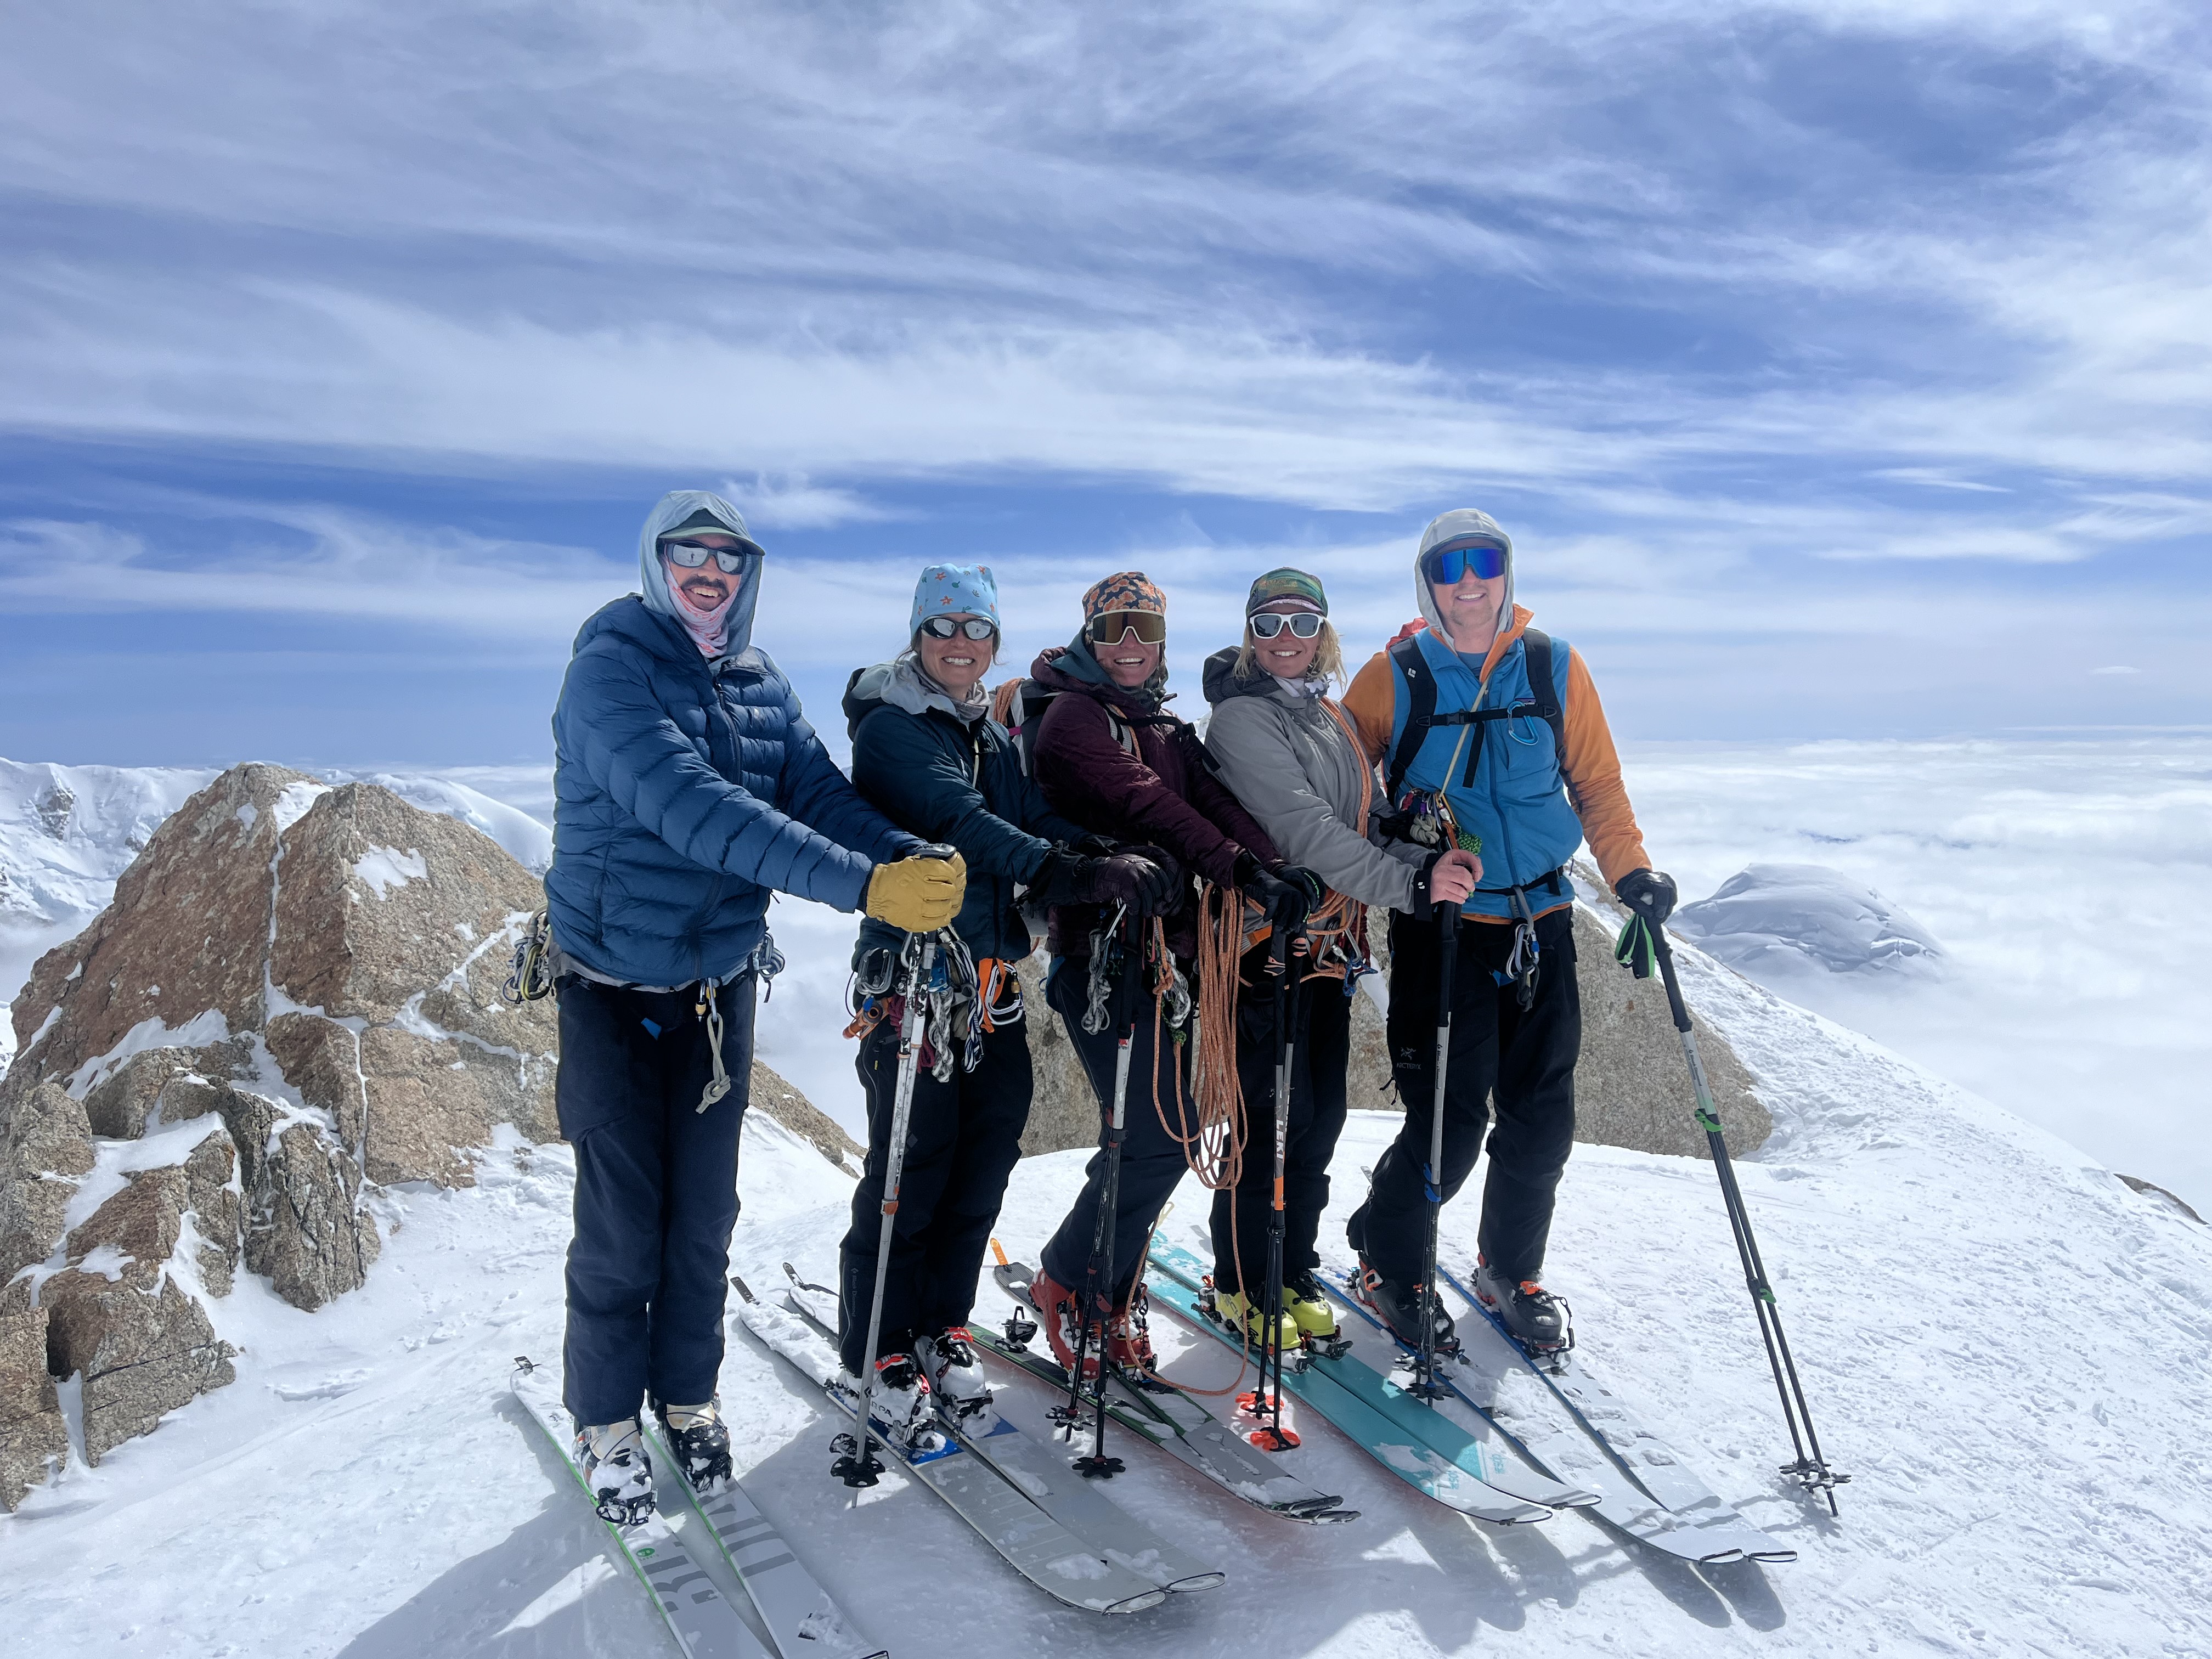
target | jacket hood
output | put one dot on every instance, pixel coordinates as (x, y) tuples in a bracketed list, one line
[(1071, 668), (679, 507), (900, 684), (1456, 526)]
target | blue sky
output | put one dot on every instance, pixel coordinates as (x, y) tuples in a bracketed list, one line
[(1842, 370)]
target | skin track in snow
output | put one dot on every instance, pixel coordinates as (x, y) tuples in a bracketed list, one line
[(1164, 1416), (1430, 1472), (1035, 1544), (704, 1624), (803, 1621), (1047, 1481)]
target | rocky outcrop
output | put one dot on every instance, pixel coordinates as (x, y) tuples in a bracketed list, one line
[(45, 1152), (336, 945), (1631, 1087), (34, 1438), (770, 1093)]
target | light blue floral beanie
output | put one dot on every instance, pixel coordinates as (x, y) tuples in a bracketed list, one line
[(954, 590)]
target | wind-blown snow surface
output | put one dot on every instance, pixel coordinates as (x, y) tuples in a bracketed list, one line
[(2003, 1345)]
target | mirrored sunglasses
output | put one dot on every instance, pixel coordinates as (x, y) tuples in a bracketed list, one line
[(1446, 565), (943, 628), (1303, 624), (1110, 627), (692, 554)]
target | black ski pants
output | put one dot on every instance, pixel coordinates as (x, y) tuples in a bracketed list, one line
[(1151, 1160), (1321, 1022), (963, 1137), (656, 1192), (1524, 1060)]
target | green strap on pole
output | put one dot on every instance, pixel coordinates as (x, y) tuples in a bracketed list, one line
[(1635, 950)]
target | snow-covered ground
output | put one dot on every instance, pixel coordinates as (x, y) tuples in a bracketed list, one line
[(2003, 1345)]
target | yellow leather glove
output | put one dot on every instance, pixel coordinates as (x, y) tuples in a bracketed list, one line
[(918, 895)]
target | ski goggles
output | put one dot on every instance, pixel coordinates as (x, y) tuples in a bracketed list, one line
[(943, 628), (1303, 624), (1444, 566), (1110, 627), (692, 554)]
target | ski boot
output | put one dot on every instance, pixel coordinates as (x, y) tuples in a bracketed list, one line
[(617, 1471), (903, 1407), (1246, 1319), (1059, 1309), (1128, 1334), (696, 1438), (1309, 1306), (1531, 1315), (956, 1378), (1398, 1305)]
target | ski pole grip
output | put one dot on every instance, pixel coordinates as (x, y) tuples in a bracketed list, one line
[(1666, 954)]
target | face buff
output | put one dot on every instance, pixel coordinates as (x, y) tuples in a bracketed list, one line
[(709, 629)]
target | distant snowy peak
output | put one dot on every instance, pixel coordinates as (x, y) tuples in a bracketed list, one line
[(66, 832), (1794, 916)]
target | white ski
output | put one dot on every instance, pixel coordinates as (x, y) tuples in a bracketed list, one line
[(1043, 1475), (702, 1621), (802, 1619), (1575, 1427), (1049, 1555)]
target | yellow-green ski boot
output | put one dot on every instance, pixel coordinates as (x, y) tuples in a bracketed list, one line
[(1234, 1312)]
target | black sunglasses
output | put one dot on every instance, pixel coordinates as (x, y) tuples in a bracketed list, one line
[(943, 628)]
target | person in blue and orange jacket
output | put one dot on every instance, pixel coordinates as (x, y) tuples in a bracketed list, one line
[(1490, 738)]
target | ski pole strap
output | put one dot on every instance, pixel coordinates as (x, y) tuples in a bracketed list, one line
[(1634, 949)]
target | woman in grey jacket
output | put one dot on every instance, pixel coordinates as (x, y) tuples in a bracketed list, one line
[(1289, 754)]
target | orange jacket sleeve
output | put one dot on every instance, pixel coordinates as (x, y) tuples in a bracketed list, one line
[(1369, 702), (1593, 769)]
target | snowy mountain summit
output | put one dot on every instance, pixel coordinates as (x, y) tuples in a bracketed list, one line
[(1784, 917)]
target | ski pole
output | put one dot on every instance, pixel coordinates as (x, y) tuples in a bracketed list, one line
[(1099, 1273), (862, 1468), (1426, 1385), (1286, 1003), (1811, 1469)]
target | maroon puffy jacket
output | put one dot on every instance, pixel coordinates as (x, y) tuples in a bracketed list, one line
[(1164, 795)]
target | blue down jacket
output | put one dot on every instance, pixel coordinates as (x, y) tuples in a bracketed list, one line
[(685, 790)]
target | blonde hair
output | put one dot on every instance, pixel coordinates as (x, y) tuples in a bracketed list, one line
[(1328, 659)]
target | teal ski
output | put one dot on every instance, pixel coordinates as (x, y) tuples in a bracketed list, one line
[(1178, 1284)]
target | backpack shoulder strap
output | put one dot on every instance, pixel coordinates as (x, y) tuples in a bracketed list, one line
[(1544, 689), (1420, 712)]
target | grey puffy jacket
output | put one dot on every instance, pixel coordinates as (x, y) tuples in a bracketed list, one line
[(1283, 756)]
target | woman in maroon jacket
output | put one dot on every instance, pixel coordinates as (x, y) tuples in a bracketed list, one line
[(1109, 757)]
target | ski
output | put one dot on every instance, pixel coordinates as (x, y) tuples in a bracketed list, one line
[(701, 1619), (1430, 1471), (1049, 1555), (803, 1619), (1044, 1477), (1568, 1420), (1162, 1415)]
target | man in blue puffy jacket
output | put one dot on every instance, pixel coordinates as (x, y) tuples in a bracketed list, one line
[(688, 786)]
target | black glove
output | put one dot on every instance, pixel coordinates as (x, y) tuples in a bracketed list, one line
[(1096, 846), (1314, 887), (1125, 879), (1647, 893), (1285, 903)]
